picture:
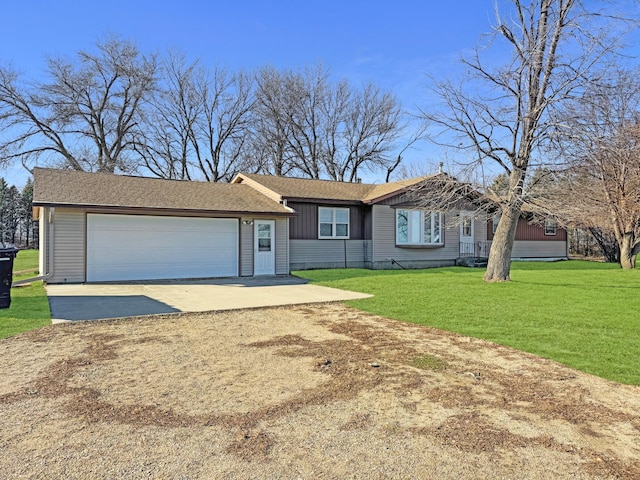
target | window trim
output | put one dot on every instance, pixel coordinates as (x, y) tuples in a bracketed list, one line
[(550, 225), (333, 235), (463, 225), (433, 215)]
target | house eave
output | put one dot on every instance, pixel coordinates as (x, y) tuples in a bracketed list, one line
[(325, 201), (163, 210)]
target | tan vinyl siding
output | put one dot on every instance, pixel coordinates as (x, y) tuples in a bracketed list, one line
[(306, 254), (538, 249), (246, 248), (282, 246), (69, 240), (384, 240), (247, 233)]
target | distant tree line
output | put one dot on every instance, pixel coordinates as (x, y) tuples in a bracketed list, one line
[(116, 109), (16, 215)]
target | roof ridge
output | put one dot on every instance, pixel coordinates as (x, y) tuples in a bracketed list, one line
[(125, 175), (328, 180)]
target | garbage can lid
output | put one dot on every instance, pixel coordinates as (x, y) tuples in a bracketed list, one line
[(8, 247)]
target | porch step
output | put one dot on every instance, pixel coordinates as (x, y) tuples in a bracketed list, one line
[(473, 262)]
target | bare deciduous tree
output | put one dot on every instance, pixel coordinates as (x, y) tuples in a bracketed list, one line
[(500, 115), (222, 130), (165, 145), (86, 116), (315, 128), (372, 126), (600, 136), (199, 123)]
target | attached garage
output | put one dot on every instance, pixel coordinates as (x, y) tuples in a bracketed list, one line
[(143, 247), (98, 227)]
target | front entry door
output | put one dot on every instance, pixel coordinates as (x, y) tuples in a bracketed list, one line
[(264, 258), (467, 245)]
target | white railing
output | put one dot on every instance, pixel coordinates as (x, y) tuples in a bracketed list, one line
[(474, 249)]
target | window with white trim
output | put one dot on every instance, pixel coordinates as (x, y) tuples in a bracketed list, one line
[(550, 226), (418, 227), (333, 222), (467, 225)]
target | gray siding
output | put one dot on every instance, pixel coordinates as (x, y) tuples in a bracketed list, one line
[(282, 246), (538, 249), (69, 241), (309, 254), (384, 242), (246, 248)]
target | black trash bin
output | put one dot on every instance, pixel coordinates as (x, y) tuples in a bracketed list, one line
[(7, 254)]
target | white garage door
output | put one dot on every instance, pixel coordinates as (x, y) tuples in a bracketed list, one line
[(137, 247)]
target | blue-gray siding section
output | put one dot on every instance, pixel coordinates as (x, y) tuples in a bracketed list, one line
[(309, 254)]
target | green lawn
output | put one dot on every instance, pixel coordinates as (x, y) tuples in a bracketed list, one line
[(582, 314), (29, 305)]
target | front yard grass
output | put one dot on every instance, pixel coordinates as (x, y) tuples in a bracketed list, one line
[(29, 305), (582, 314)]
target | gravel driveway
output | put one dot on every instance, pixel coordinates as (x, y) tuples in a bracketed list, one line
[(309, 392)]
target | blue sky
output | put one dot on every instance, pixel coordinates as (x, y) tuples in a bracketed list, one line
[(393, 43)]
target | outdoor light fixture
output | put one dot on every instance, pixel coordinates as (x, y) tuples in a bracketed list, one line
[(247, 222)]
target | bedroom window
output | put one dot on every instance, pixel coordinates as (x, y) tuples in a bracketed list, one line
[(418, 227), (550, 226), (333, 222)]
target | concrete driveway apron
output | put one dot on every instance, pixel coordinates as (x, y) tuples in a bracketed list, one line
[(110, 300)]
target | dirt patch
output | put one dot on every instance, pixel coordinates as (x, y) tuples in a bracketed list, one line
[(301, 392)]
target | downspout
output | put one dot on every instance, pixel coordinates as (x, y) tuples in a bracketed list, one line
[(48, 249), (345, 252)]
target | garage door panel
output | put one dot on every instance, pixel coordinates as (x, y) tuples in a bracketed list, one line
[(131, 247)]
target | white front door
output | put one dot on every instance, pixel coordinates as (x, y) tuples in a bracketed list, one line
[(264, 257), (467, 245)]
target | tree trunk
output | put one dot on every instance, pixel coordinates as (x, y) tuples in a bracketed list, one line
[(628, 251), (499, 264)]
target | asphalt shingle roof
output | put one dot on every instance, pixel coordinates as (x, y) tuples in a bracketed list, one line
[(72, 188), (303, 188)]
